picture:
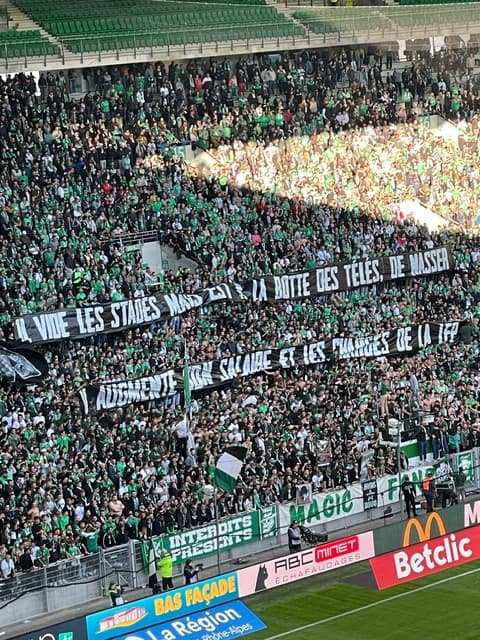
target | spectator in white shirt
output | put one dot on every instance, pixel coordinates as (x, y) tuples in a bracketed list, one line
[(7, 567)]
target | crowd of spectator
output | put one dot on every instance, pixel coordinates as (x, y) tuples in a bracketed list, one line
[(76, 173)]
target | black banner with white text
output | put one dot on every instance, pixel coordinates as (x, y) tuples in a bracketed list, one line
[(370, 495), (83, 322), (213, 373)]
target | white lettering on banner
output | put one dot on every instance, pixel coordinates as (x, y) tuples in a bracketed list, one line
[(471, 513), (209, 622), (127, 313), (215, 372), (327, 279), (132, 391), (218, 293), (424, 336), (52, 326), (21, 330), (293, 285), (360, 274), (427, 262), (286, 357), (245, 364), (90, 320), (201, 375), (259, 290), (397, 266), (447, 332), (179, 303), (314, 352), (337, 548), (369, 346), (436, 553), (404, 339), (203, 541)]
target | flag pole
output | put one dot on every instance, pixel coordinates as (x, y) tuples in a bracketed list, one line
[(187, 396), (217, 529)]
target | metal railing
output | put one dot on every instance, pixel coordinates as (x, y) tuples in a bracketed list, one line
[(69, 582)]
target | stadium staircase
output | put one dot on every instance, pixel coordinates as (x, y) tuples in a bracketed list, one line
[(289, 11), (25, 37)]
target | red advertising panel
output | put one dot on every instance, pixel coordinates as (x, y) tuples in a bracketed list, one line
[(426, 558), (304, 564)]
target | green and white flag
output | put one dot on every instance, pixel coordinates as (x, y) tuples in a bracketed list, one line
[(152, 565), (186, 380), (228, 468)]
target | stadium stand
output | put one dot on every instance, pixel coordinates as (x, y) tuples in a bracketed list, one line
[(87, 27), (79, 173)]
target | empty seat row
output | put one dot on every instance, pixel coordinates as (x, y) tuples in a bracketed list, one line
[(166, 38), (18, 44)]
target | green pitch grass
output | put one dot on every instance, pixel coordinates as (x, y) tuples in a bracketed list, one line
[(328, 608)]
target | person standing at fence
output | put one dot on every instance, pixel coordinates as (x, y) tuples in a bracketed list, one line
[(115, 592), (383, 398), (460, 479), (409, 493), (7, 567), (190, 572), (7, 572), (294, 537), (422, 442), (165, 567), (429, 490)]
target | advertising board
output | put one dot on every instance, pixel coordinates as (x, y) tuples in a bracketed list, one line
[(310, 562), (74, 629), (226, 622), (426, 558), (148, 612)]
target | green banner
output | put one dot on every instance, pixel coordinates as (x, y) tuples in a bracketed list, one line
[(268, 521), (201, 542), (466, 460)]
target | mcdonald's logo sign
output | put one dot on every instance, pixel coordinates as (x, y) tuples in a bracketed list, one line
[(423, 533)]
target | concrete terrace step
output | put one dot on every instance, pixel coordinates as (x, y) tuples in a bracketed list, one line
[(288, 12)]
